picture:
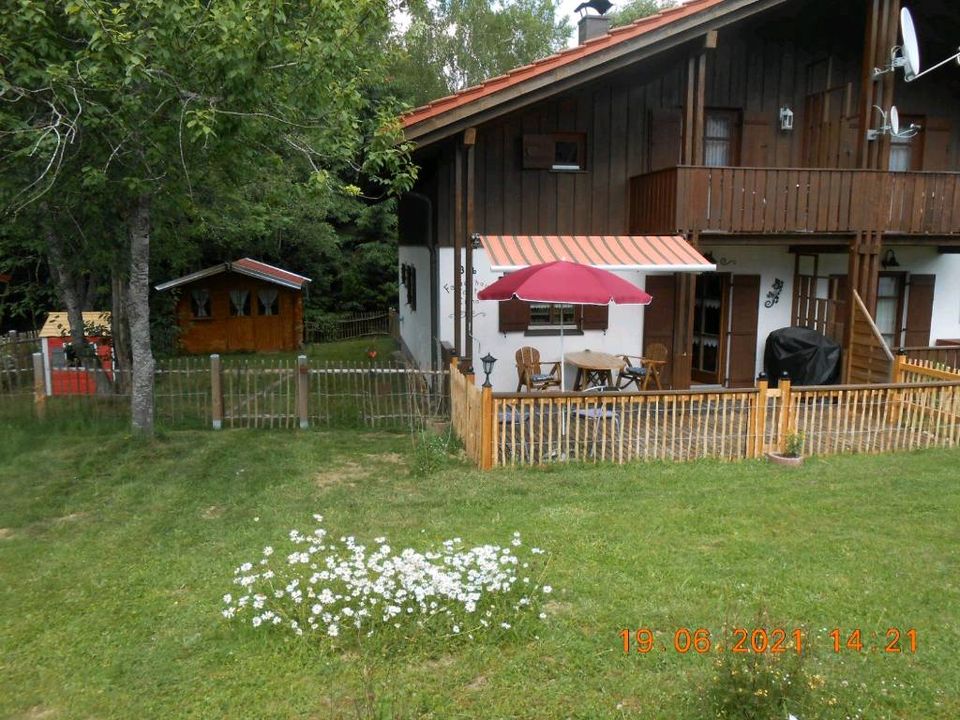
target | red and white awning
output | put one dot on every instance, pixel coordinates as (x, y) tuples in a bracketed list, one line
[(647, 253)]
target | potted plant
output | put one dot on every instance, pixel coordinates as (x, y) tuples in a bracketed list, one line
[(792, 451)]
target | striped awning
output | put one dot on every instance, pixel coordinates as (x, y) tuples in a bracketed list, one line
[(649, 253)]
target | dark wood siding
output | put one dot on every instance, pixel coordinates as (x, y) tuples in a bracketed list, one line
[(658, 319)]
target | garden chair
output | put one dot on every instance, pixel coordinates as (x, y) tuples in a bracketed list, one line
[(639, 370), (530, 371), (601, 413)]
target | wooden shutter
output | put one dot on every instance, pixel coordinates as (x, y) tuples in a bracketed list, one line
[(514, 316), (664, 139), (919, 310), (758, 136), (595, 317), (742, 342), (936, 144), (538, 151), (658, 319)]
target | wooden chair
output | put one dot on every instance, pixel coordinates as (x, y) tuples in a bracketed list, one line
[(530, 371), (639, 370)]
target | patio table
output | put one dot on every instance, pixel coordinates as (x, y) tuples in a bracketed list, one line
[(593, 367)]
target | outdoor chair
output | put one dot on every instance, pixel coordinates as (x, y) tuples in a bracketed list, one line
[(639, 370), (530, 371), (602, 412)]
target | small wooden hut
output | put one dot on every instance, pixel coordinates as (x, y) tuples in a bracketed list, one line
[(244, 305), (64, 373)]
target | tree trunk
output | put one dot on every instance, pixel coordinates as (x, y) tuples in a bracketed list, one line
[(138, 308), (76, 290)]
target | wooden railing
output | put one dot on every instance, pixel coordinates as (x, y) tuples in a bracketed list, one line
[(794, 200), (939, 355), (920, 409)]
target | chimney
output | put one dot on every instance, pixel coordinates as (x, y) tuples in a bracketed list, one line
[(593, 26)]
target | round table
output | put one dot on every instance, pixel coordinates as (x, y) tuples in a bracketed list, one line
[(593, 367)]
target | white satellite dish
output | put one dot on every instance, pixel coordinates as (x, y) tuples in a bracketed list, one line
[(911, 51), (894, 120)]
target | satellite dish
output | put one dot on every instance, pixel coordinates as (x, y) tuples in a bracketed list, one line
[(911, 51), (894, 120)]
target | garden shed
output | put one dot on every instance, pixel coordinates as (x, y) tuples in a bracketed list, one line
[(244, 305)]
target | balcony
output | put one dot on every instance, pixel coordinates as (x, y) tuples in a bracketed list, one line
[(794, 201)]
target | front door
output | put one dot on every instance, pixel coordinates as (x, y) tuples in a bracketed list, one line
[(709, 323)]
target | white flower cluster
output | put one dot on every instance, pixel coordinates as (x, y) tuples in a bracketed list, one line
[(328, 587)]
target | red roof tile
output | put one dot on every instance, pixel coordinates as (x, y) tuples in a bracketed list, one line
[(552, 62), (271, 271)]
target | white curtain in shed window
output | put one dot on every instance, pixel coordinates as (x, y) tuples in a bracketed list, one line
[(268, 301), (238, 302)]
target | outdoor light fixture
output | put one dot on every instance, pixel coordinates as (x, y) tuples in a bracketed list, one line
[(488, 361), (786, 118), (889, 260)]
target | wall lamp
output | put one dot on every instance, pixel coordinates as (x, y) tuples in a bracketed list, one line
[(889, 260)]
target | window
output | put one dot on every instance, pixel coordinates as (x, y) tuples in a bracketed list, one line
[(555, 151), (200, 303), (721, 132), (268, 301), (239, 303), (546, 315), (906, 153), (890, 308)]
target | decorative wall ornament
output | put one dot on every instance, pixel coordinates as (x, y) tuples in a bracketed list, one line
[(773, 297)]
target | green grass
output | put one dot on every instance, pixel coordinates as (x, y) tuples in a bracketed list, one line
[(115, 554)]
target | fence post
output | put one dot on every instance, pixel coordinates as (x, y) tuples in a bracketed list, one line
[(896, 377), (393, 326), (216, 392), (486, 427), (303, 381), (39, 386), (759, 418), (786, 411)]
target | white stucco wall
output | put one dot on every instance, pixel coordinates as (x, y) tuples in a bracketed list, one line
[(623, 336), (945, 322), (770, 263), (415, 324)]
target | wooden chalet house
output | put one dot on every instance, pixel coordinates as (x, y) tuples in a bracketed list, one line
[(735, 128)]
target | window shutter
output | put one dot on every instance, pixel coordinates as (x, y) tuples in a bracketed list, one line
[(595, 317), (514, 315), (538, 152), (919, 310), (744, 311)]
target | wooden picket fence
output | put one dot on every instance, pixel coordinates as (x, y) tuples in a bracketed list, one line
[(239, 392), (350, 326), (16, 362), (920, 409)]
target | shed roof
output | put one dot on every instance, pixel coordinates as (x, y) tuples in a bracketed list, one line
[(566, 63), (58, 323), (244, 266)]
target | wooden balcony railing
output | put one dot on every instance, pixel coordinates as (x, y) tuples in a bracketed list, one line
[(794, 200)]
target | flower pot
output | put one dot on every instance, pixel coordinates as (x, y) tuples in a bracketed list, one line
[(786, 460)]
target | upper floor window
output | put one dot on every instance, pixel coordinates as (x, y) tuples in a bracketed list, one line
[(555, 151), (907, 153), (721, 134)]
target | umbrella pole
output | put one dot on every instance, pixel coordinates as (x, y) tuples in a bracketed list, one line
[(563, 363)]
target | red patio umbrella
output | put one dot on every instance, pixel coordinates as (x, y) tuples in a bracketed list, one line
[(565, 282)]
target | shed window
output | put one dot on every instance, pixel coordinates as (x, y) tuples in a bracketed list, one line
[(200, 303), (239, 303), (555, 151), (268, 301)]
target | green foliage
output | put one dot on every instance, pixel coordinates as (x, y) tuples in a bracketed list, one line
[(793, 445), (431, 452), (633, 10), (453, 44)]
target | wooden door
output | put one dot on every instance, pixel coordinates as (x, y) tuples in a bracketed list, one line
[(658, 319), (741, 351), (709, 322)]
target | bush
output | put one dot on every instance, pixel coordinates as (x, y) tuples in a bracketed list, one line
[(431, 451)]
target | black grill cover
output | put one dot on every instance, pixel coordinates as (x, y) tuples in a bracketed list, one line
[(809, 357)]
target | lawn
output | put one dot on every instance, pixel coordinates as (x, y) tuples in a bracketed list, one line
[(114, 555)]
